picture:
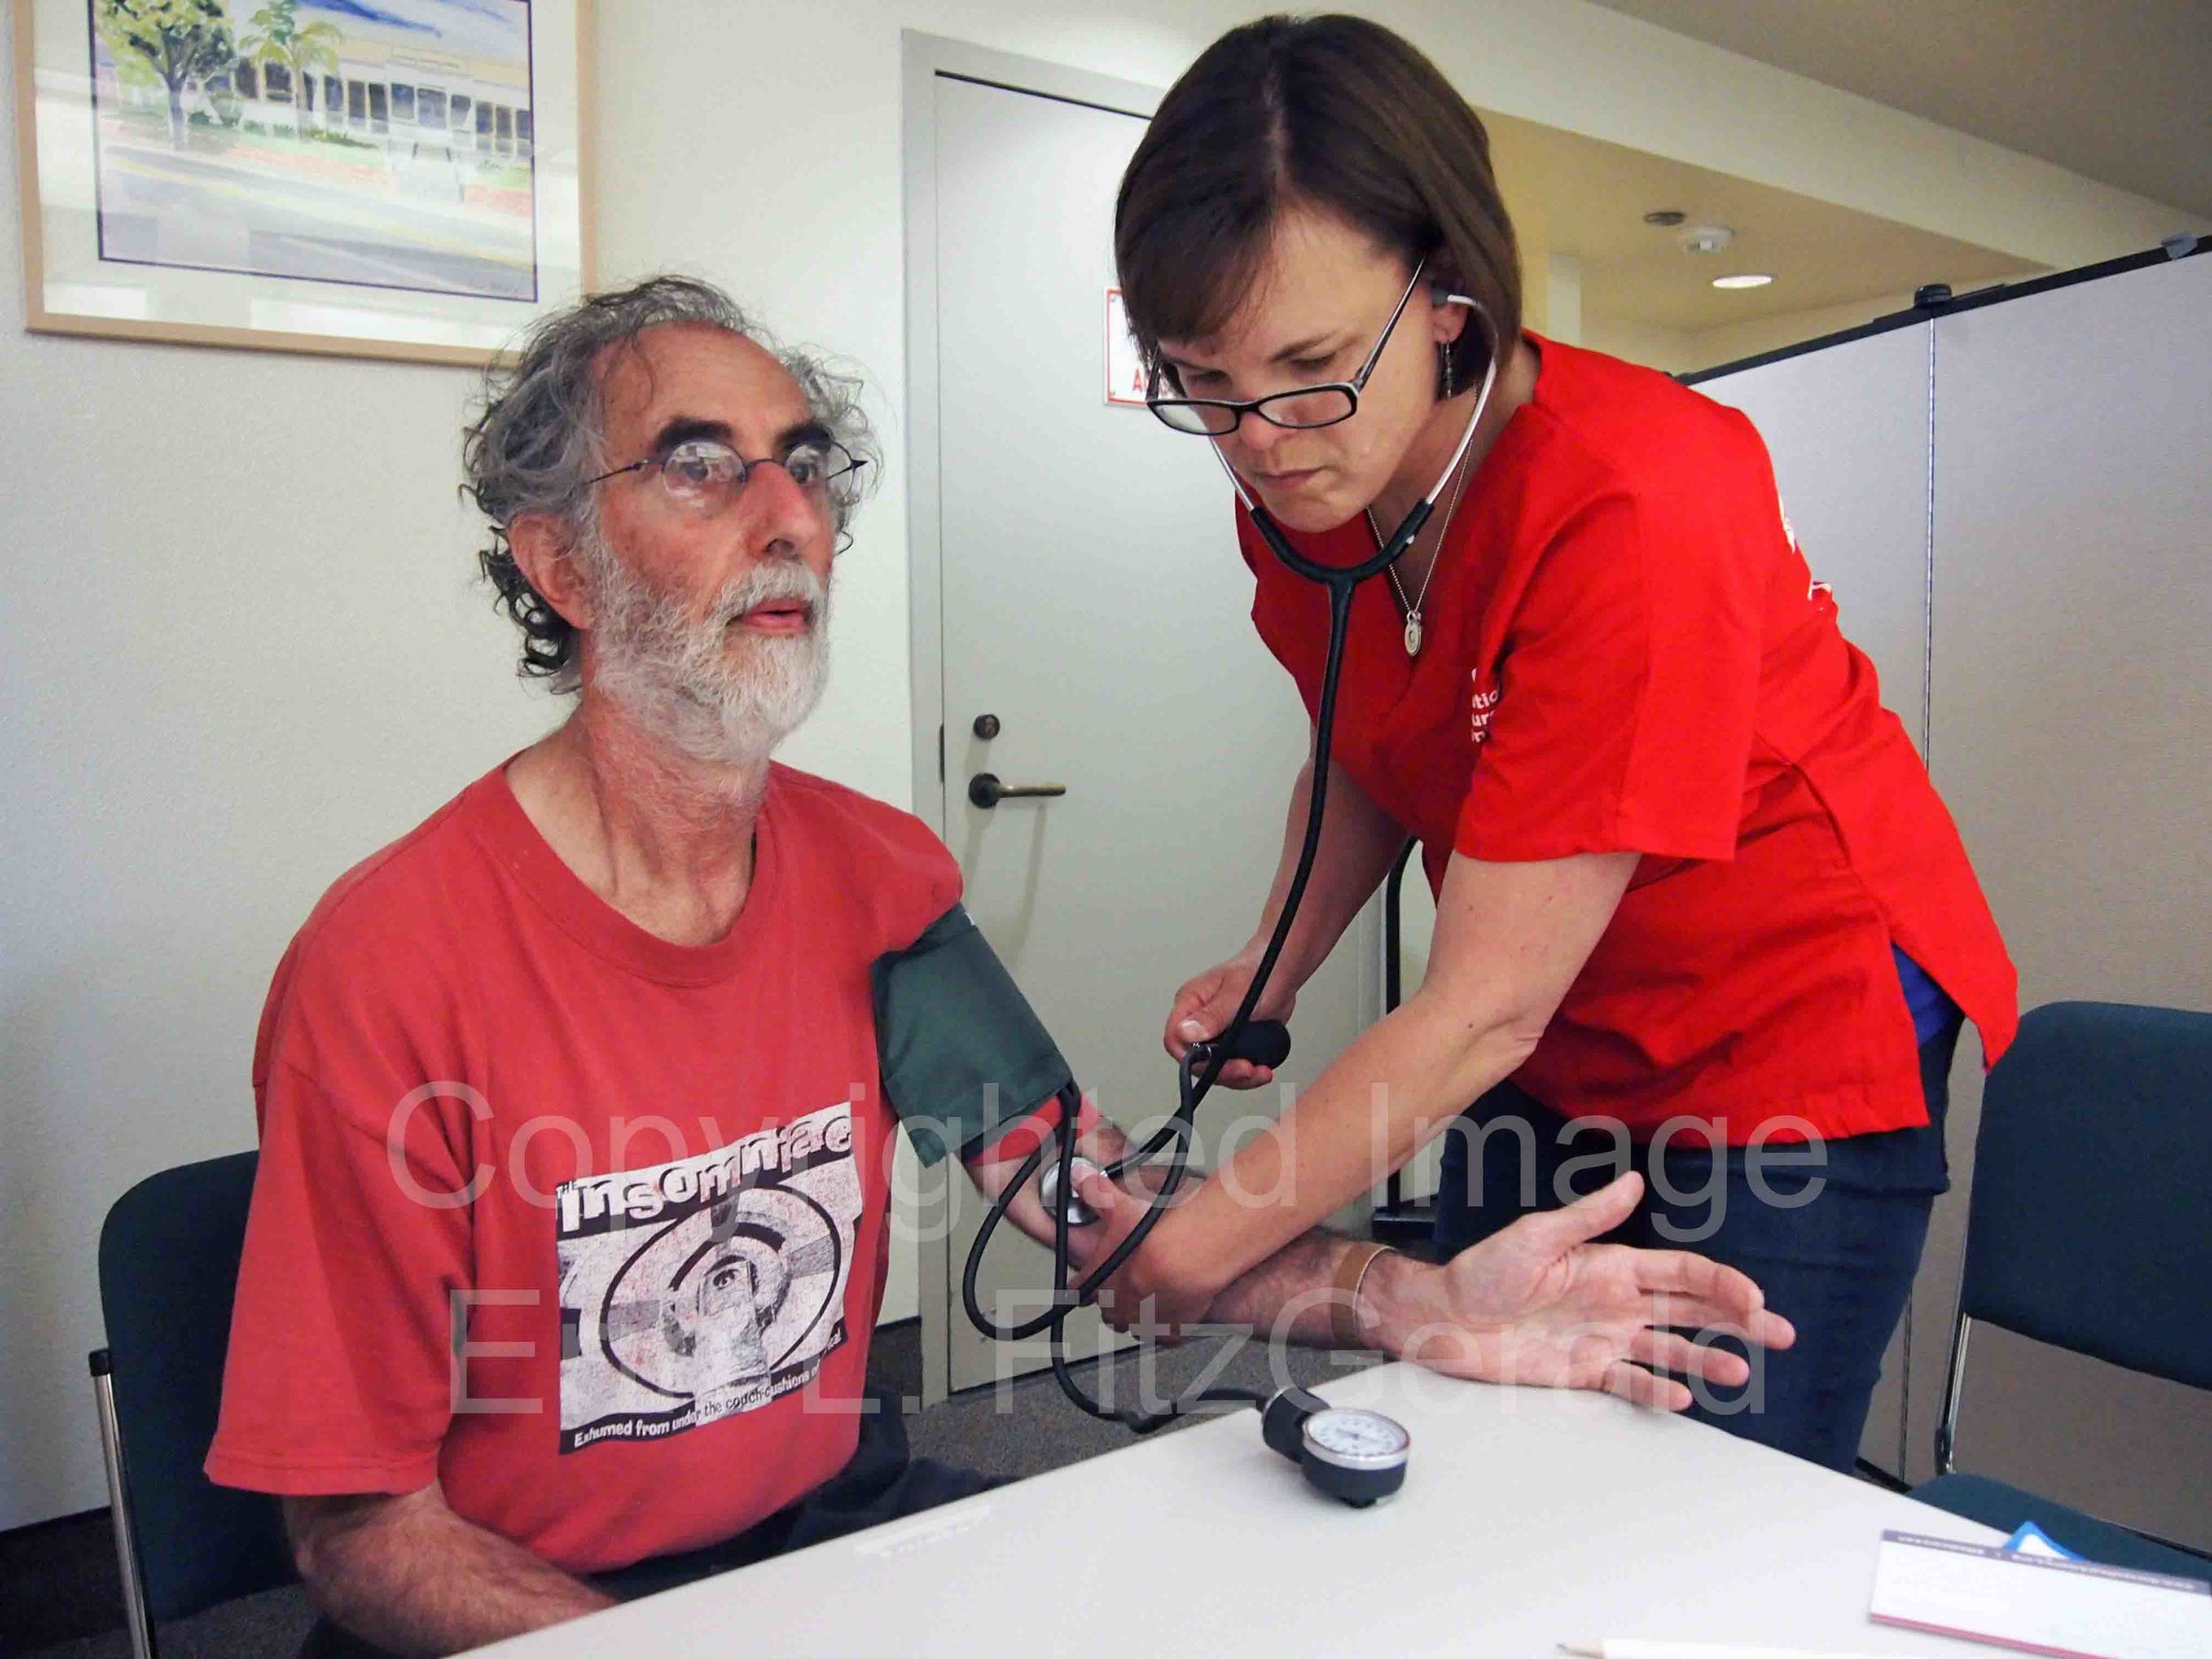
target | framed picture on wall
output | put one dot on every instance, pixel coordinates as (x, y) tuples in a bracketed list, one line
[(374, 178)]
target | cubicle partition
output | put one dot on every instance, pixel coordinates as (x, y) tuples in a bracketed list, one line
[(2012, 495)]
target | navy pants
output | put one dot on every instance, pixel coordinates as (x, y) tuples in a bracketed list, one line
[(881, 1483), (1837, 1265)]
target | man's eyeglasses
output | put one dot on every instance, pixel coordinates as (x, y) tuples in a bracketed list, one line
[(704, 476), (1298, 409)]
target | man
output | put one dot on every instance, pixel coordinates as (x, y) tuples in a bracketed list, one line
[(571, 1225)]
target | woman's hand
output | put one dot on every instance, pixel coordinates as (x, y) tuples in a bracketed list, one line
[(1157, 1291), (1538, 1304), (1102, 1144), (1206, 1004)]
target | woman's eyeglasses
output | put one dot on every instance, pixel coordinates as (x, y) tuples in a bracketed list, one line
[(1299, 408)]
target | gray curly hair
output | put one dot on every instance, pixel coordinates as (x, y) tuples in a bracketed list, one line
[(542, 432)]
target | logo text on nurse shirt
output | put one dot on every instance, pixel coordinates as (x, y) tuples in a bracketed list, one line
[(1486, 704), (1815, 588)]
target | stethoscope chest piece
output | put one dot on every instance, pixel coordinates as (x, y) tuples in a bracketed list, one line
[(1079, 1214), (1356, 1455)]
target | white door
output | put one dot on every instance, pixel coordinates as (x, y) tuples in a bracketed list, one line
[(1093, 603)]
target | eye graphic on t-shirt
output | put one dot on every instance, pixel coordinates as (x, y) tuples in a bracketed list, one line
[(705, 1286), (756, 1284), (736, 1290)]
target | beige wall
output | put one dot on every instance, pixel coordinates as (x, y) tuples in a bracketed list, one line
[(816, 247), (1681, 350), (244, 649), (1673, 349), (1518, 186)]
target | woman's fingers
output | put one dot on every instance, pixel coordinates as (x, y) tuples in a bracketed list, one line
[(1179, 1036), (1243, 1074), (1118, 1213), (1236, 1074), (1200, 1010), (1189, 998), (1204, 1024)]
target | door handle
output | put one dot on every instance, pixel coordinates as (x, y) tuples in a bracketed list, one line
[(986, 790)]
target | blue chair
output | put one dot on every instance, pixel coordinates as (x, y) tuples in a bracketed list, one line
[(169, 1257), (2085, 1229)]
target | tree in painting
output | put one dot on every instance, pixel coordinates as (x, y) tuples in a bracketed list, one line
[(280, 37), (180, 41)]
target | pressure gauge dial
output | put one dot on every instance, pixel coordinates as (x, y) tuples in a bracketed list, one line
[(1353, 1455)]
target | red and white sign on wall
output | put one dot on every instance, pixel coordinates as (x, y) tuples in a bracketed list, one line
[(1125, 365)]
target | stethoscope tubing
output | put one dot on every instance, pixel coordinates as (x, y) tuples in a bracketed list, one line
[(1341, 582), (1194, 1083)]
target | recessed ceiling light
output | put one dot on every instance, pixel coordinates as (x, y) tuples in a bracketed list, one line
[(1749, 279), (1665, 217)]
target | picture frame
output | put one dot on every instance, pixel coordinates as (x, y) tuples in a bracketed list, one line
[(393, 179)]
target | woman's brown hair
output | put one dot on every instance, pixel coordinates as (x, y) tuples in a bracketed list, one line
[(1331, 111)]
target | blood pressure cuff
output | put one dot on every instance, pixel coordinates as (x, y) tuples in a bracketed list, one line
[(960, 1050)]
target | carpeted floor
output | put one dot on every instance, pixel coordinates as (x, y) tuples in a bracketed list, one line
[(57, 1596)]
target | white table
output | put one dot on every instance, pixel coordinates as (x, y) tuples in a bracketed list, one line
[(1529, 1518)]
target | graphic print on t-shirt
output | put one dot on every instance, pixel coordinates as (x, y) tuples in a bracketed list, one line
[(707, 1286)]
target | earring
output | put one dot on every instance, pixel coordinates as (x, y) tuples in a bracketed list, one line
[(1444, 352)]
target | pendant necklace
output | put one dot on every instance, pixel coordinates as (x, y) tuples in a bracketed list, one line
[(1413, 608)]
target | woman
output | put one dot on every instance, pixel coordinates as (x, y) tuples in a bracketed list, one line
[(1691, 878)]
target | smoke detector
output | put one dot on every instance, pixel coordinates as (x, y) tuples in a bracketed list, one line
[(1706, 238)]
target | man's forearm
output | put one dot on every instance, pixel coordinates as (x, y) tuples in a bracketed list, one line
[(408, 1575), (1293, 1296), (1290, 1295)]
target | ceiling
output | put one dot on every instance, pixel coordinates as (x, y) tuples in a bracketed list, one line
[(1593, 195), (2116, 90)]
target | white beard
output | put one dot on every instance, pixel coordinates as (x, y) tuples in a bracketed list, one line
[(712, 690)]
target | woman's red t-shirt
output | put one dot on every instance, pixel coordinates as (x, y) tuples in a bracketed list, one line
[(1627, 651)]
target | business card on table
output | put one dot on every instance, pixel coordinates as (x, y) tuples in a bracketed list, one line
[(2031, 1539), (2042, 1604)]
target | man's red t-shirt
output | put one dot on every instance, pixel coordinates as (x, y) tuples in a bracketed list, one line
[(646, 1183), (1625, 651)]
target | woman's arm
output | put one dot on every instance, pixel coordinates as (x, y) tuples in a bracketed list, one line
[(1359, 842), (1510, 938)]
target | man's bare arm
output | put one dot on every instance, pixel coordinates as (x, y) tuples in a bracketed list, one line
[(407, 1574), (1289, 1295)]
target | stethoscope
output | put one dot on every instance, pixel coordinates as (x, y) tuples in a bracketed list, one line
[(1352, 1454)]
